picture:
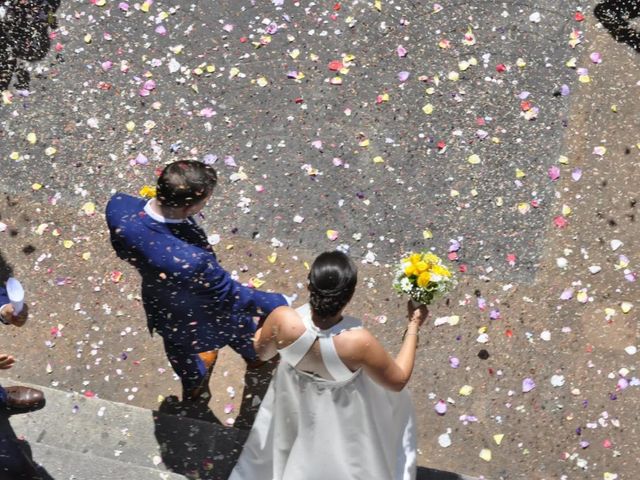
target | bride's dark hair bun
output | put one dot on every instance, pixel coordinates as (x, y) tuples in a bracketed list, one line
[(332, 281)]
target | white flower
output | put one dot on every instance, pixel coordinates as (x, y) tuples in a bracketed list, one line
[(405, 285)]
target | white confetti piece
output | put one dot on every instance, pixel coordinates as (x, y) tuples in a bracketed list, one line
[(444, 440), (557, 380), (616, 244)]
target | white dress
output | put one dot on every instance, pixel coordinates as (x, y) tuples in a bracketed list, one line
[(310, 428)]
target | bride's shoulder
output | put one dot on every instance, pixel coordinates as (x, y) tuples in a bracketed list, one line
[(284, 313), (353, 343)]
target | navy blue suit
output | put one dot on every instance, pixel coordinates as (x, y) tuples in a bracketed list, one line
[(189, 299), (4, 299)]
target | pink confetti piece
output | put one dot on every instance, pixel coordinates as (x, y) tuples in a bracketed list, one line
[(149, 85), (527, 385), (441, 407), (141, 159), (272, 28), (403, 76), (596, 57), (560, 221), (576, 174), (622, 384), (567, 294), (554, 173), (401, 51)]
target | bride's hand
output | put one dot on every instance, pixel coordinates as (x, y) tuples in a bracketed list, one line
[(418, 315)]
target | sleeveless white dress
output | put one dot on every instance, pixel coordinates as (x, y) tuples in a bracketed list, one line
[(310, 428)]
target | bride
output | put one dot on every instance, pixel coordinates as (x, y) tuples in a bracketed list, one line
[(336, 406)]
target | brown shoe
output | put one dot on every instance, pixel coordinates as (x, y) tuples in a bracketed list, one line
[(24, 399)]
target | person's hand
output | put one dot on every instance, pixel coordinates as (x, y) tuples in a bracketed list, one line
[(6, 361), (417, 316), (8, 316)]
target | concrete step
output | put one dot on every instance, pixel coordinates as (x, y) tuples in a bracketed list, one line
[(164, 441), (63, 464)]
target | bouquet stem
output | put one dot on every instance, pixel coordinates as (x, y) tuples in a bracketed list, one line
[(415, 303)]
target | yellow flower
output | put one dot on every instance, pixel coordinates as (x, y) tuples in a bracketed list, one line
[(148, 191), (422, 266), (423, 279), (415, 258), (440, 270), (431, 258), (410, 270)]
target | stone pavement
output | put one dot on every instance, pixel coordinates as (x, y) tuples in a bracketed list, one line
[(546, 220)]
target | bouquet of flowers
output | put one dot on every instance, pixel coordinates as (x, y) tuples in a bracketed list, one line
[(422, 276)]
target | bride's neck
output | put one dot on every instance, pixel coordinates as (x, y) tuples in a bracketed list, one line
[(326, 322)]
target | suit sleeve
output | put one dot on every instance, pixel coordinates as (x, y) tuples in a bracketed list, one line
[(231, 295), (4, 298)]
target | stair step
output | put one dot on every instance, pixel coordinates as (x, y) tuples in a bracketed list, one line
[(128, 434), (64, 464)]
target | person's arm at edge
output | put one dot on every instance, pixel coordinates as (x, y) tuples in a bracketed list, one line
[(391, 373), (6, 311), (265, 339), (219, 282)]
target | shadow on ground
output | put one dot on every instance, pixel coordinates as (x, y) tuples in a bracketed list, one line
[(24, 37), (615, 16), (432, 474), (16, 459), (206, 449)]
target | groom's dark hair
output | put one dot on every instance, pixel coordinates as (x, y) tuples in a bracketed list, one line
[(185, 183)]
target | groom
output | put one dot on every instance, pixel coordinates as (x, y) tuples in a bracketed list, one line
[(189, 299)]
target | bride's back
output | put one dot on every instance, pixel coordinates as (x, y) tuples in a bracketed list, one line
[(344, 335)]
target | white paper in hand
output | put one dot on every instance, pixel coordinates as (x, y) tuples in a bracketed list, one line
[(15, 292)]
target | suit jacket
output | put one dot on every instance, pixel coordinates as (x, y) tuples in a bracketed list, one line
[(188, 297), (4, 298)]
